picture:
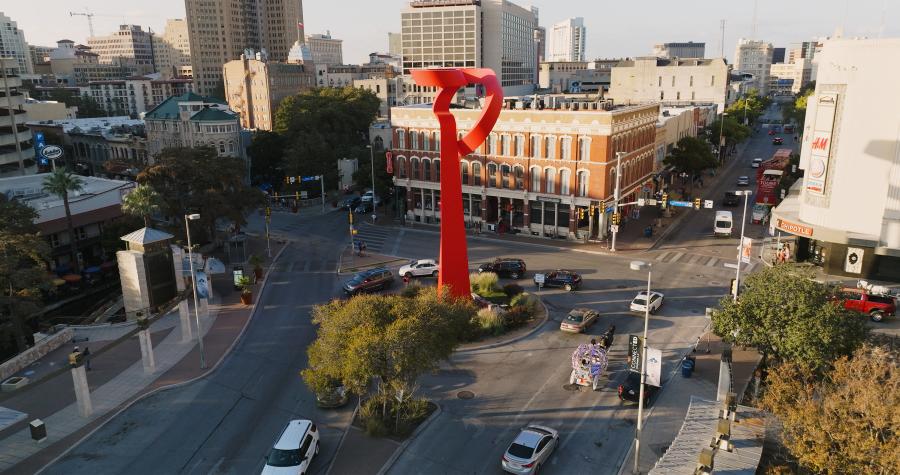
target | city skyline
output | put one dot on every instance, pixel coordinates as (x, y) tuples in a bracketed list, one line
[(367, 32)]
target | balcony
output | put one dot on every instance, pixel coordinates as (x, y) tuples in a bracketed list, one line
[(8, 157), (6, 137), (20, 117)]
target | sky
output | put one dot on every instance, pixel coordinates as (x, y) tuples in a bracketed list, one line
[(614, 29)]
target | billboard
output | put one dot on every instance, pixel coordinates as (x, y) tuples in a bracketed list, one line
[(820, 142)]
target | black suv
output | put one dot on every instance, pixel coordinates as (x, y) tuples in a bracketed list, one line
[(369, 281), (730, 199), (512, 268), (566, 279), (630, 389)]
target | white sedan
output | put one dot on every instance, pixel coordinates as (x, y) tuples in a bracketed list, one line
[(743, 181), (419, 268), (639, 304)]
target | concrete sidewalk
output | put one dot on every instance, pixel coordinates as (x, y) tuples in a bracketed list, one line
[(118, 379)]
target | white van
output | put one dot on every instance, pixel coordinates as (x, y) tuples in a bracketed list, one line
[(722, 226)]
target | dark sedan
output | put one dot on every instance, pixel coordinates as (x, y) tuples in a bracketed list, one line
[(565, 279), (352, 203), (629, 390)]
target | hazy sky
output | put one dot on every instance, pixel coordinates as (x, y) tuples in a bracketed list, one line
[(614, 29)]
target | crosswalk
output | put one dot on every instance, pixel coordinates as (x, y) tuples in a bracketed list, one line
[(375, 237), (703, 260)]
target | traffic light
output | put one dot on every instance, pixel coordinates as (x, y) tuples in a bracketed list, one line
[(734, 287), (580, 213), (592, 210), (697, 203), (665, 200), (616, 218)]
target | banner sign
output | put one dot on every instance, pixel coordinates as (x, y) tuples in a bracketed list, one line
[(202, 285), (820, 144), (654, 366), (746, 249), (634, 353)]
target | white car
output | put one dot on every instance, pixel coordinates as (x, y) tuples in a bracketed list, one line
[(755, 163), (367, 196), (530, 450), (419, 268), (639, 304), (743, 181), (294, 449)]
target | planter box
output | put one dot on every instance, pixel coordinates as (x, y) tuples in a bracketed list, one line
[(14, 383)]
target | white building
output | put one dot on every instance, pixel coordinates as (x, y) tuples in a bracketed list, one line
[(754, 57), (789, 78), (325, 49), (680, 50), (670, 81), (845, 211), (135, 95), (566, 40), (495, 34), (172, 50), (130, 46), (13, 44), (16, 152)]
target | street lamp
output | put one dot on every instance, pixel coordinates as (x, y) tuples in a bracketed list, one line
[(187, 227), (641, 265), (372, 157), (740, 248), (721, 145), (619, 156)]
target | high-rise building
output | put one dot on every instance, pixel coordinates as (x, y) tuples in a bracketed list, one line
[(130, 46), (803, 49), (567, 39), (173, 50), (680, 50), (13, 45), (495, 34), (754, 57), (670, 81), (255, 87), (220, 31), (395, 44), (788, 78), (325, 49), (40, 54), (16, 155), (540, 42)]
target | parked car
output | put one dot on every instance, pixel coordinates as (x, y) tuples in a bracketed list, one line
[(566, 279), (578, 320), (639, 304), (367, 196), (421, 267), (756, 163), (335, 396), (507, 267), (294, 449), (630, 390), (531, 449), (364, 207), (777, 141), (743, 181), (875, 306), (369, 281), (352, 202), (730, 199)]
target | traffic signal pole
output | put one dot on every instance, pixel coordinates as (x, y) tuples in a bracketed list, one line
[(616, 197)]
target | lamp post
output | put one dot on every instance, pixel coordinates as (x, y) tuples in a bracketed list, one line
[(737, 276), (187, 227), (616, 197), (641, 265), (372, 158)]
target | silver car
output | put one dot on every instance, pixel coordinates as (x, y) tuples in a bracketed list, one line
[(530, 450)]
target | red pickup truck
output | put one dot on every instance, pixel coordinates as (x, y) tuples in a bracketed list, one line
[(875, 306)]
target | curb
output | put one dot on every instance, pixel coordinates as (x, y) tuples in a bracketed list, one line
[(513, 339), (399, 451), (343, 436), (373, 265), (209, 371)]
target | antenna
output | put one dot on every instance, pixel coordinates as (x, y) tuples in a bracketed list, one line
[(722, 40), (90, 19)]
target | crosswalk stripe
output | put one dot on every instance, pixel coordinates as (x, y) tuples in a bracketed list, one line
[(676, 257), (712, 262), (663, 256), (695, 258)]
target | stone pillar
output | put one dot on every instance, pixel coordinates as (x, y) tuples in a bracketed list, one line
[(82, 391), (147, 351), (178, 262), (725, 384), (526, 217), (184, 314)]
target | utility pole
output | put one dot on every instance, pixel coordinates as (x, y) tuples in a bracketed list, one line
[(12, 115), (372, 158), (737, 276), (616, 197)]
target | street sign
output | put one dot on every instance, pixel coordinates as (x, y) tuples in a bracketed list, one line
[(730, 265), (614, 228), (51, 152), (650, 201), (681, 204), (634, 353), (641, 202), (539, 280), (746, 250), (708, 204)]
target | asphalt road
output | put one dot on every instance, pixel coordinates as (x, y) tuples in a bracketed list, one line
[(226, 423)]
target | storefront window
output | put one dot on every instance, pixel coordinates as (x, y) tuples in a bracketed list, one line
[(536, 213), (476, 205), (549, 214), (562, 216)]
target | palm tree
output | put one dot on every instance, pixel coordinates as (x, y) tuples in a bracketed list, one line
[(142, 201), (60, 182)]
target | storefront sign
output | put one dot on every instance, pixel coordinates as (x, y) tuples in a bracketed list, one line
[(820, 144), (795, 228), (853, 264), (547, 199), (634, 353)]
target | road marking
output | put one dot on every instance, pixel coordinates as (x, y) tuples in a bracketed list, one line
[(677, 256), (712, 262), (306, 265), (663, 256), (695, 258)]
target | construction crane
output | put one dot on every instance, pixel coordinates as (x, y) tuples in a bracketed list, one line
[(90, 19)]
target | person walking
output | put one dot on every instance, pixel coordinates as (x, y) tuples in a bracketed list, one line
[(87, 358)]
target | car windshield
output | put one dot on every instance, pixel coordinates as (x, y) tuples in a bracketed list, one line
[(357, 279), (640, 301), (723, 224), (520, 451), (575, 317), (283, 458)]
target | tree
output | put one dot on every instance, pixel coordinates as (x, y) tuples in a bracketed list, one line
[(796, 111), (362, 177), (751, 106), (846, 420), (323, 125), (732, 131), (60, 182), (142, 201), (87, 106), (691, 155), (266, 157), (197, 180), (390, 338), (22, 263), (787, 315)]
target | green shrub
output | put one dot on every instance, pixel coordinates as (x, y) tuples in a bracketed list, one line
[(490, 321), (371, 417), (483, 283), (511, 290), (517, 316), (526, 300), (411, 291)]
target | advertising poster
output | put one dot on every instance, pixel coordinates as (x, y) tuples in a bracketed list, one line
[(820, 145), (654, 366)]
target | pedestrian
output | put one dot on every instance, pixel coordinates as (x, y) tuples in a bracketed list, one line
[(87, 358), (362, 248), (787, 253)]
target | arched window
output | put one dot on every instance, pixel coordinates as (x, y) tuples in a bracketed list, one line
[(519, 173), (519, 145), (221, 146), (564, 176), (565, 148), (491, 174), (535, 146), (476, 174), (413, 140), (550, 147), (426, 169), (584, 149), (437, 169), (492, 144), (401, 139), (550, 180), (414, 168), (582, 186), (535, 173), (504, 176), (401, 167), (464, 172), (506, 145), (437, 141)]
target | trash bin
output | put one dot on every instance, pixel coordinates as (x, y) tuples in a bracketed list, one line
[(648, 231), (38, 430), (687, 366)]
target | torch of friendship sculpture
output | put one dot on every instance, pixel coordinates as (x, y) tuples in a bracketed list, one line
[(453, 270)]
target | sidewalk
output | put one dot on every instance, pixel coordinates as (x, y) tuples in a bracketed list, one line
[(117, 378)]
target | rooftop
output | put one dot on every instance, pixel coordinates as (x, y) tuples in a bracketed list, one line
[(626, 63), (96, 123), (146, 236), (168, 109), (30, 190)]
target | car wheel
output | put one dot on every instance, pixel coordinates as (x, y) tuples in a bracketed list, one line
[(317, 448), (568, 287), (434, 274), (513, 275), (408, 275), (876, 315)]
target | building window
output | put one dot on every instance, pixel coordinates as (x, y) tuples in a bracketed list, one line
[(413, 140), (549, 180), (660, 81), (678, 96), (401, 167), (673, 81), (476, 174), (692, 81), (504, 176), (662, 95), (582, 183), (491, 174), (464, 172), (712, 81), (520, 146), (437, 169), (566, 148), (584, 149), (221, 146), (401, 139), (535, 146), (535, 180), (564, 177), (426, 169), (505, 145), (425, 143), (550, 147), (414, 168)]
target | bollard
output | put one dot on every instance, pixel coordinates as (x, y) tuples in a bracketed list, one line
[(38, 430)]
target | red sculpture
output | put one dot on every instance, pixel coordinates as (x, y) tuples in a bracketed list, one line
[(453, 270)]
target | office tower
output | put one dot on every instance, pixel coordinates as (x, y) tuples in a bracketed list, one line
[(566, 42)]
